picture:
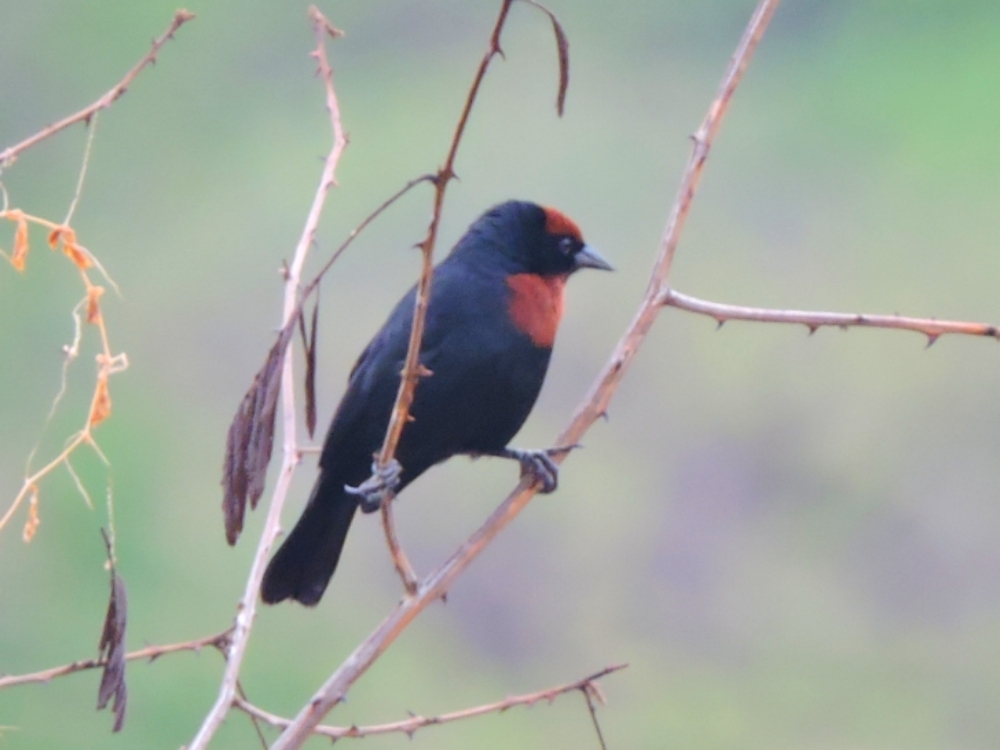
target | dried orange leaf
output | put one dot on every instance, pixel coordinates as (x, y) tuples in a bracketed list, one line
[(54, 236), (20, 244), (93, 305), (77, 254), (31, 525), (101, 408)]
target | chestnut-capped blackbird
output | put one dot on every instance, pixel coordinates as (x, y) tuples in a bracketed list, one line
[(494, 308)]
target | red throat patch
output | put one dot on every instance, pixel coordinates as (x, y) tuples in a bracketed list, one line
[(559, 223), (536, 305)]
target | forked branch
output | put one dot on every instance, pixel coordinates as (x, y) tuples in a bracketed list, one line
[(812, 320)]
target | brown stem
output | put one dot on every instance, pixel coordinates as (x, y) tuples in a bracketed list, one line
[(9, 154)]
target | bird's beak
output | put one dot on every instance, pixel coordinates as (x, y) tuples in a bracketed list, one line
[(588, 257)]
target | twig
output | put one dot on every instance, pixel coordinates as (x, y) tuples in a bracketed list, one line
[(415, 722), (218, 641), (931, 328), (91, 132), (593, 406), (9, 154), (108, 364), (247, 607), (590, 691)]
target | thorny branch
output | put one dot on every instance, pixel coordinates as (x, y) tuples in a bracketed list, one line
[(722, 313), (8, 155), (413, 370), (219, 641), (588, 686), (591, 408), (247, 607)]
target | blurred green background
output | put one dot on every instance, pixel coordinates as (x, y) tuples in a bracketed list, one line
[(793, 540)]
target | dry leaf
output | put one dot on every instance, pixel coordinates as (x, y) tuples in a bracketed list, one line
[(56, 234), (31, 525), (111, 649), (78, 255), (251, 438), (20, 244), (101, 408), (93, 306)]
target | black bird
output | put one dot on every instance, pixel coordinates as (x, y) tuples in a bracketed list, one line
[(495, 305)]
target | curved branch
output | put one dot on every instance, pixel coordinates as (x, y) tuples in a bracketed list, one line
[(9, 154)]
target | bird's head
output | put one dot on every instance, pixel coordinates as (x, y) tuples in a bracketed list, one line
[(528, 238)]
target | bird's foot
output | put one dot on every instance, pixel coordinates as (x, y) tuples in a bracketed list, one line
[(538, 464), (372, 492)]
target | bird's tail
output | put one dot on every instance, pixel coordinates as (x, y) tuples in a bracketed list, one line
[(303, 565)]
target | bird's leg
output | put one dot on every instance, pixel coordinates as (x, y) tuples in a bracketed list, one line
[(375, 489), (537, 464)]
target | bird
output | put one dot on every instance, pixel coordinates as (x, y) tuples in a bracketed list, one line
[(495, 305)]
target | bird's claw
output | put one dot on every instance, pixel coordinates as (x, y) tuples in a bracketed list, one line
[(377, 488), (538, 465)]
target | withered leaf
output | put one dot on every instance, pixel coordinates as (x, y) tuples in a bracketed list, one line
[(251, 438), (77, 254), (562, 48), (93, 303), (309, 347), (31, 525), (20, 244), (111, 649), (101, 407)]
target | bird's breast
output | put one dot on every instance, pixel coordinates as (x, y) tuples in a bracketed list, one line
[(536, 305)]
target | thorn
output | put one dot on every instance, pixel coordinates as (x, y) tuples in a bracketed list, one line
[(812, 328), (604, 415), (931, 338), (721, 322), (283, 271), (444, 598), (423, 372)]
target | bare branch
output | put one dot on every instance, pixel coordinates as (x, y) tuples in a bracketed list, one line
[(247, 607), (593, 406), (812, 320), (84, 115), (411, 367), (587, 685), (218, 641)]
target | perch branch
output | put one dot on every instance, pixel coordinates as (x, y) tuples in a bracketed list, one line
[(412, 370), (247, 607), (812, 320), (152, 653), (587, 685), (8, 155), (591, 408)]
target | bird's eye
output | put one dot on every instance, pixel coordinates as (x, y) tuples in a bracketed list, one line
[(567, 245)]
